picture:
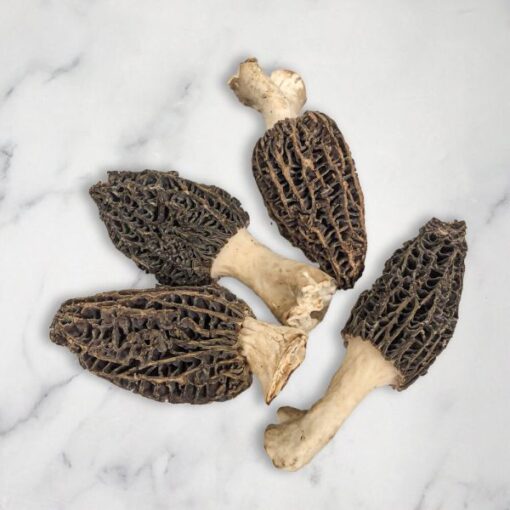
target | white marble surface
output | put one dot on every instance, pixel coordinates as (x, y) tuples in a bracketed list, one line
[(420, 90)]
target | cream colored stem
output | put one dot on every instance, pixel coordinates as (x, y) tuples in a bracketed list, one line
[(273, 353), (300, 435), (277, 97), (297, 294)]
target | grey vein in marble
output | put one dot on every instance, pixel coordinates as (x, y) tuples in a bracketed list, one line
[(65, 68), (32, 413), (497, 207), (6, 155)]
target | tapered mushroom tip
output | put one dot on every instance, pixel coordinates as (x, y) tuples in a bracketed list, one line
[(62, 323), (98, 191), (454, 230), (55, 333), (95, 192), (459, 227)]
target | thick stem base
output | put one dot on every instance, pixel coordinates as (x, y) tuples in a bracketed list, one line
[(300, 435)]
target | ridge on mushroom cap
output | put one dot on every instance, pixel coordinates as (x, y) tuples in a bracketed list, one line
[(167, 225), (308, 180), (178, 345), (411, 311)]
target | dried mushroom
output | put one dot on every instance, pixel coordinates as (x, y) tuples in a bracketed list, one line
[(305, 173), (182, 345), (187, 233), (395, 332)]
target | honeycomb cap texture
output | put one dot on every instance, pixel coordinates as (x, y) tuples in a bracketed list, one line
[(169, 226), (176, 345), (307, 177), (411, 311)]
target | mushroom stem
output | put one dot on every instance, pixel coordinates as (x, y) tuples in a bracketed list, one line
[(273, 353), (301, 434), (277, 97), (297, 294)]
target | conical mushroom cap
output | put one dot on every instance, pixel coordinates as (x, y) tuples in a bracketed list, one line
[(169, 226), (307, 177), (411, 311), (176, 345)]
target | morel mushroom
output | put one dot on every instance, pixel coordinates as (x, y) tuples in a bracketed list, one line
[(395, 332), (191, 234), (305, 173), (182, 345)]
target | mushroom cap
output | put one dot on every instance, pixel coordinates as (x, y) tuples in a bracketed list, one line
[(169, 226), (307, 177), (176, 345), (411, 311)]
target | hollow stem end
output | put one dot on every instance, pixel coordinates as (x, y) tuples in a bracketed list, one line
[(273, 353)]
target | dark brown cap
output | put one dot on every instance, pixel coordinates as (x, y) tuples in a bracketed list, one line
[(307, 177), (169, 226), (176, 345), (411, 311)]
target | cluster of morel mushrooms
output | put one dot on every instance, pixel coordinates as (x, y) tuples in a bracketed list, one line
[(189, 340)]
